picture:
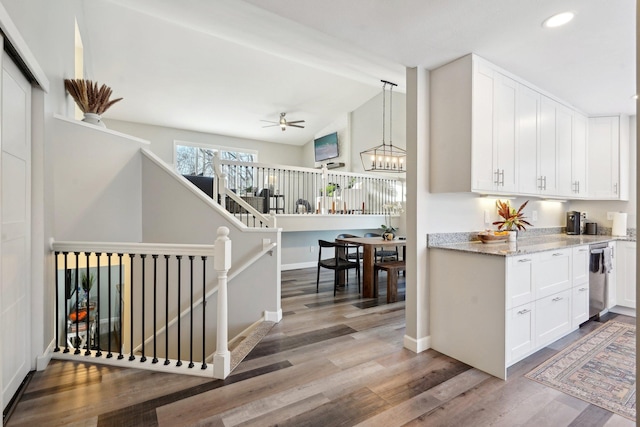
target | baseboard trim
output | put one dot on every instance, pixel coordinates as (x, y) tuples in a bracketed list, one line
[(627, 311), (43, 360), (299, 265), (417, 346), (273, 316)]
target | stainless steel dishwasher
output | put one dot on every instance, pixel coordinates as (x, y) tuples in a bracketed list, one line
[(600, 265)]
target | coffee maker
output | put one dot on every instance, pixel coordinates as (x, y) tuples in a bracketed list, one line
[(573, 222)]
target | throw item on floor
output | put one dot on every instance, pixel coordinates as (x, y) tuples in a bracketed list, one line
[(600, 369)]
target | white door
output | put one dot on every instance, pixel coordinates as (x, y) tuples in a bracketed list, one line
[(15, 228)]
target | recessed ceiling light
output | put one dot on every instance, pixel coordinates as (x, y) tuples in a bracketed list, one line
[(558, 19)]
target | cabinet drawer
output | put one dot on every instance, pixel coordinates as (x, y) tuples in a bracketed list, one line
[(553, 317), (520, 288), (552, 272)]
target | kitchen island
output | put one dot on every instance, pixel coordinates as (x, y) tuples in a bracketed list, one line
[(492, 305)]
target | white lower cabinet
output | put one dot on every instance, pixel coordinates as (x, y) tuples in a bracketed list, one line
[(625, 274), (579, 305), (553, 318), (521, 338)]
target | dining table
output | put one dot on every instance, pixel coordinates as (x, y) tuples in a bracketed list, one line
[(369, 245)]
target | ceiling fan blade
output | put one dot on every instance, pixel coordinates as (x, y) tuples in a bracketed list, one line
[(270, 121), (295, 126), (270, 126), (295, 121)]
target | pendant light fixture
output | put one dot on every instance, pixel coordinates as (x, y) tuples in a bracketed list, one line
[(385, 157)]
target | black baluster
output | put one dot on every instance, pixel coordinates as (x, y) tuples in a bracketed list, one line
[(142, 334), (88, 307), (97, 318), (204, 305), (131, 356), (57, 347), (179, 257), (166, 311), (155, 283), (120, 305), (109, 355), (66, 319), (77, 321), (191, 257)]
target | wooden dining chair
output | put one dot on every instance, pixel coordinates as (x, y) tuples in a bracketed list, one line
[(382, 254), (336, 263)]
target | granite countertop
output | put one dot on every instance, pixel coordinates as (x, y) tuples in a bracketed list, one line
[(528, 245)]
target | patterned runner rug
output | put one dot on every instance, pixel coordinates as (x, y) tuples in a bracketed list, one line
[(600, 369)]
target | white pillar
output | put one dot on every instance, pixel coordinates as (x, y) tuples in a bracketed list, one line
[(222, 264)]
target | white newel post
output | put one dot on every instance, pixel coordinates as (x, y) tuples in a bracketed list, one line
[(222, 264)]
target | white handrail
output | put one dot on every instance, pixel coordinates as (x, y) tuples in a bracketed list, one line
[(132, 248)]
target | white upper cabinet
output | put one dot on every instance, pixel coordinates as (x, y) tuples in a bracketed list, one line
[(494, 133), (608, 150), (528, 141)]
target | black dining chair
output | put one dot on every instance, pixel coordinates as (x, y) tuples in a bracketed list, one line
[(337, 263), (357, 253), (382, 254)]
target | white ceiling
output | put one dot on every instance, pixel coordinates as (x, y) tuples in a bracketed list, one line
[(222, 66)]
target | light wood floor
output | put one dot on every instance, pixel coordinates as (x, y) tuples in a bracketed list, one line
[(329, 362)]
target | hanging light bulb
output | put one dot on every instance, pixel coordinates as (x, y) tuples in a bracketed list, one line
[(390, 158)]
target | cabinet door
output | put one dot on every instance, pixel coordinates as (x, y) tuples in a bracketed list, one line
[(579, 156), (580, 265), (529, 180), (564, 137), (553, 317), (579, 305), (520, 289), (603, 157), (521, 333), (626, 274), (552, 272), (504, 121), (484, 176), (547, 148)]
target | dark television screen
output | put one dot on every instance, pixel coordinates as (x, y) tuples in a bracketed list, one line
[(326, 147)]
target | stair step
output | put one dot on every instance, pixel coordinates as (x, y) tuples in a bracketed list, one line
[(244, 347)]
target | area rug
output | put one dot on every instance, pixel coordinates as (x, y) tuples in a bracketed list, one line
[(600, 368)]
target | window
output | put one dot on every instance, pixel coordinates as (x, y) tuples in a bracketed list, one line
[(196, 159)]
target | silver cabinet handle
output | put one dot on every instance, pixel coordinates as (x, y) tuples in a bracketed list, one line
[(558, 254), (502, 180), (545, 183), (615, 188), (525, 260), (556, 299), (525, 311), (583, 289), (540, 185), (582, 250), (497, 174)]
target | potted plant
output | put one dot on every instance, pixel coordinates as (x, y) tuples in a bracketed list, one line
[(92, 100), (389, 231), (86, 283), (512, 219)]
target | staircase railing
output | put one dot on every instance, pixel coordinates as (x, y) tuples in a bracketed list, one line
[(130, 289), (257, 189)]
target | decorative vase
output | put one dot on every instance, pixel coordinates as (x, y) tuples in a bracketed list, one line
[(388, 235), (513, 235), (93, 119)]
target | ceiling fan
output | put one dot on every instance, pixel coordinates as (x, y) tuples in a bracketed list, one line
[(283, 123)]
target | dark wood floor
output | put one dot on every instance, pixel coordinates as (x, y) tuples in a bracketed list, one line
[(329, 362)]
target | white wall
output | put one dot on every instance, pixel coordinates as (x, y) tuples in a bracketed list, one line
[(162, 139), (96, 177)]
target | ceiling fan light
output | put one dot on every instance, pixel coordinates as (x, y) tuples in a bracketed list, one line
[(558, 20)]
